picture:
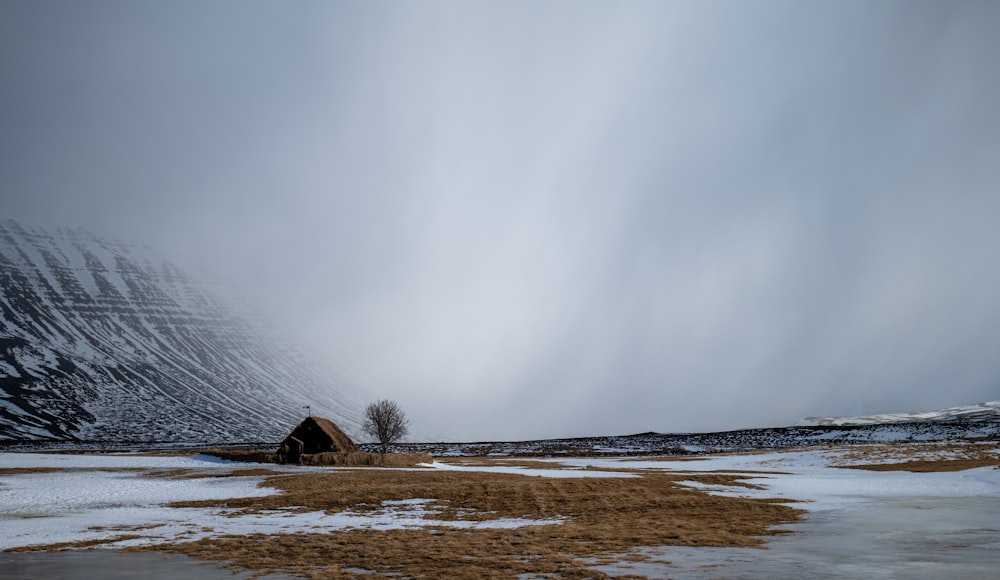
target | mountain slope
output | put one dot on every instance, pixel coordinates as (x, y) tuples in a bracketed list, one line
[(988, 411), (106, 341)]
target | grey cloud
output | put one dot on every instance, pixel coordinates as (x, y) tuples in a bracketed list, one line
[(557, 218)]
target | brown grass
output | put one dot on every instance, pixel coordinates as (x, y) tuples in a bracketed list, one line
[(362, 459), (877, 453), (508, 462), (24, 470), (79, 545), (182, 473), (28, 470), (333, 459), (604, 517), (929, 465), (241, 454)]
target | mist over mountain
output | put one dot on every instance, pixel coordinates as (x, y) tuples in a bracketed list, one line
[(102, 340)]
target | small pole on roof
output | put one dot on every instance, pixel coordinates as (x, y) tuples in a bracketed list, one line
[(308, 410)]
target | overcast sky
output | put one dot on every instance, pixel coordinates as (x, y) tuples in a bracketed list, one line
[(528, 219)]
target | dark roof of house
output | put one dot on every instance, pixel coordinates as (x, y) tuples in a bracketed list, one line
[(322, 435)]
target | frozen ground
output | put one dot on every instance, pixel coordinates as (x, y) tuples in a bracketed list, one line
[(876, 524)]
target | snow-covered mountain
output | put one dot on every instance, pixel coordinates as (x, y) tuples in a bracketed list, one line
[(988, 411), (101, 340)]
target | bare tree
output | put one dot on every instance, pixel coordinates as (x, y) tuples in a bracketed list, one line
[(385, 421)]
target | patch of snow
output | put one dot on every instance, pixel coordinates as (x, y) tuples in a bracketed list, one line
[(8, 370), (532, 472)]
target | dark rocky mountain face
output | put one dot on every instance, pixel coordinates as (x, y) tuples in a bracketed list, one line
[(106, 341)]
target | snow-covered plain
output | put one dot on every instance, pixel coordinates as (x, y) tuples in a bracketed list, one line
[(878, 524), (555, 471)]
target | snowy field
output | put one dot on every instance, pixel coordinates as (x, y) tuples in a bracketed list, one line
[(90, 498), (877, 524)]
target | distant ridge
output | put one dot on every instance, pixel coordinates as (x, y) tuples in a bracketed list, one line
[(103, 340), (987, 411)]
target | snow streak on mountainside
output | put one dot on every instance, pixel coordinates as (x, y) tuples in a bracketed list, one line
[(988, 411), (106, 341)]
